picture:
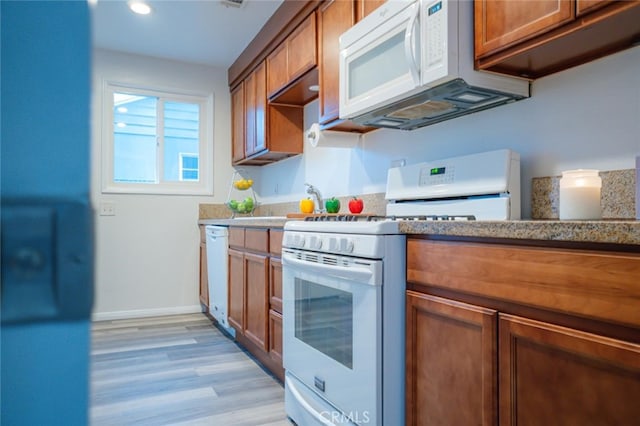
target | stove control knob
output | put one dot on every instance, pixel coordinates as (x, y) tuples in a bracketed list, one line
[(297, 241), (315, 243), (333, 244), (346, 245)]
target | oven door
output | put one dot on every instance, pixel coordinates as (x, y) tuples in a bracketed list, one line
[(332, 331)]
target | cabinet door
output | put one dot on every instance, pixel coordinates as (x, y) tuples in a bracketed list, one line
[(275, 336), (236, 289), (275, 284), (334, 18), (561, 376), (451, 362), (256, 105), (499, 24), (238, 127), (204, 280), (260, 142), (301, 46), (277, 69), (256, 299)]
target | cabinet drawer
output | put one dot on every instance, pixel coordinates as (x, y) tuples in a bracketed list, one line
[(592, 284), (236, 237), (257, 240), (275, 242)]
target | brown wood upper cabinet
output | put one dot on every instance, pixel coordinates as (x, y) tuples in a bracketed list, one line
[(262, 133), (334, 18), (290, 61), (532, 39)]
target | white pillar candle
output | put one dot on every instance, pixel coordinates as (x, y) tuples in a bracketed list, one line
[(580, 195)]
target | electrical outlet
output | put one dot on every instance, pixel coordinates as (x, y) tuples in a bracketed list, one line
[(107, 208)]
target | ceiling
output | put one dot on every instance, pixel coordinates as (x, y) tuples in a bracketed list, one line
[(204, 31)]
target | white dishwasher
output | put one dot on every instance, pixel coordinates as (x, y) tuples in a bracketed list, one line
[(218, 273)]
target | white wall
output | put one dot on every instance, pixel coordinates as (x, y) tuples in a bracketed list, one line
[(585, 117), (147, 259)]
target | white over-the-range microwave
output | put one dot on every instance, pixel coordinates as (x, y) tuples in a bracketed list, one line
[(410, 64)]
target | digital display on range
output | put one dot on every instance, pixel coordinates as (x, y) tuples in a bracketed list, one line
[(437, 171), (435, 8)]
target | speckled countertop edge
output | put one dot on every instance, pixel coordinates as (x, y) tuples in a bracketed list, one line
[(251, 222), (611, 232)]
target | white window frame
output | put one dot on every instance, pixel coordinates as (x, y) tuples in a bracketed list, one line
[(204, 186)]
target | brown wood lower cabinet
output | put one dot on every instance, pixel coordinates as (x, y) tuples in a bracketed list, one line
[(451, 362), (256, 299), (236, 289), (255, 287), (518, 335), (551, 375)]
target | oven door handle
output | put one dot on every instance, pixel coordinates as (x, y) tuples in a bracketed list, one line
[(361, 275), (303, 402)]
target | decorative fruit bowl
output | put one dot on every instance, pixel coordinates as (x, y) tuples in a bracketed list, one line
[(241, 199)]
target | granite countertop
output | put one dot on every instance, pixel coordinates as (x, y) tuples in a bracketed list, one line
[(602, 231), (249, 221)]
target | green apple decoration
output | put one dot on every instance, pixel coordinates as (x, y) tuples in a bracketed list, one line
[(332, 205)]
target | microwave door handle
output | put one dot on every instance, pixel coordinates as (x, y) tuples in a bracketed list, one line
[(409, 45)]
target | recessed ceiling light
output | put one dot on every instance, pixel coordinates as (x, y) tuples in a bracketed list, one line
[(139, 7)]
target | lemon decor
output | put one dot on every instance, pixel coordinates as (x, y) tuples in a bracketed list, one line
[(243, 184)]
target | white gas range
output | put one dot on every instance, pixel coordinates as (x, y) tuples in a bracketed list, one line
[(344, 288)]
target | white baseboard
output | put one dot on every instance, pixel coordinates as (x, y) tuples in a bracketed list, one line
[(143, 313)]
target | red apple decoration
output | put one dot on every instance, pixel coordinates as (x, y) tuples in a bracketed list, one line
[(356, 205)]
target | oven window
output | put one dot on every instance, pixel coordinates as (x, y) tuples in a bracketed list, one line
[(324, 320)]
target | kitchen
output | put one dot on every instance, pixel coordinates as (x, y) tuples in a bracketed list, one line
[(585, 117)]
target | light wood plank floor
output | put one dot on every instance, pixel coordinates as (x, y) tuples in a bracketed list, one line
[(177, 370)]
